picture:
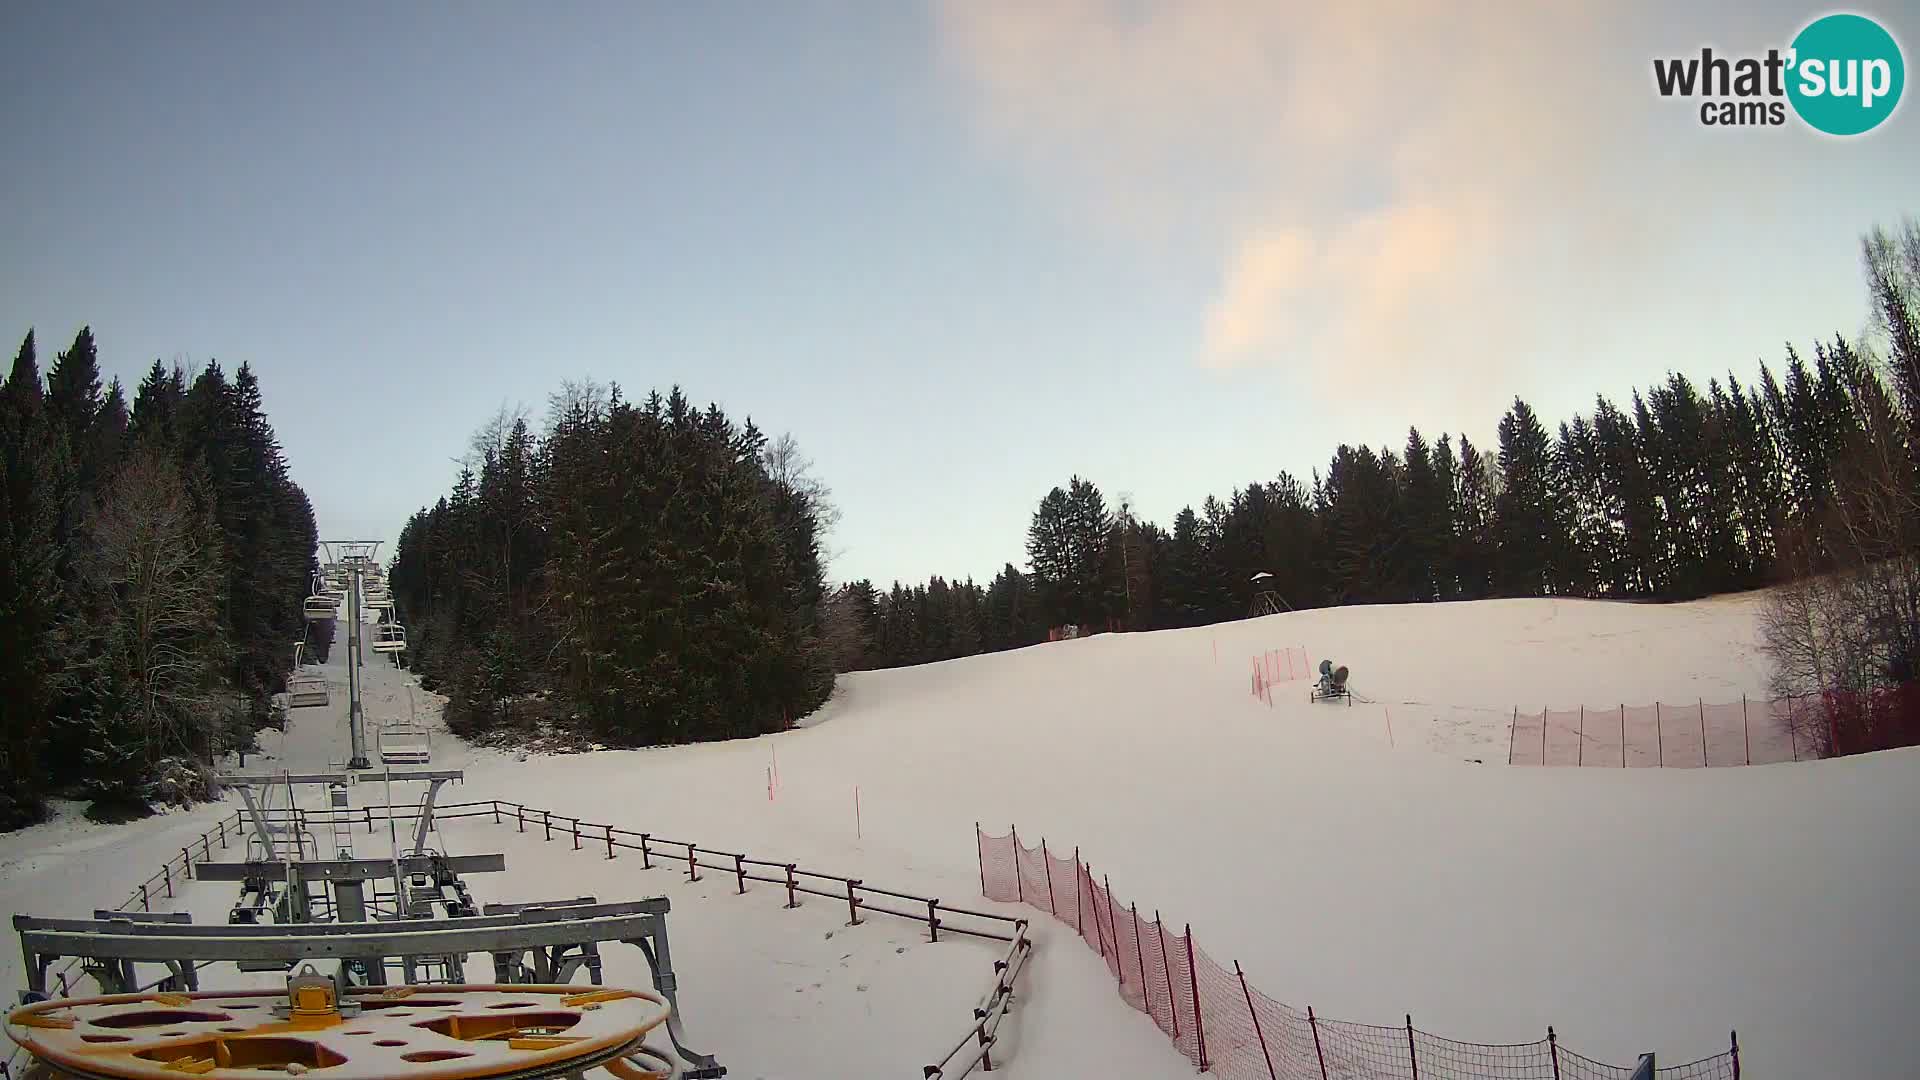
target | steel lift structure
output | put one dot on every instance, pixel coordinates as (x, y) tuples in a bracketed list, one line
[(393, 933)]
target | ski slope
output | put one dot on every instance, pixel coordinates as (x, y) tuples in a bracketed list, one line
[(1632, 909)]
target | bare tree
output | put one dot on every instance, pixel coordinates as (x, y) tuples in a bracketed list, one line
[(1845, 633), (491, 436), (154, 563), (841, 633), (590, 397), (789, 467)]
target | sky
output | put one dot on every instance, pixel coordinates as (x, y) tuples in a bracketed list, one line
[(961, 251)]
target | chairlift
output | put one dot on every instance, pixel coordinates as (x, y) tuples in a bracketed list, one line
[(320, 607), (307, 692), (389, 637), (404, 744)]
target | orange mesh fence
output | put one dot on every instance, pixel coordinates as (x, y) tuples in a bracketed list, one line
[(1277, 666), (1221, 1023), (1695, 733)]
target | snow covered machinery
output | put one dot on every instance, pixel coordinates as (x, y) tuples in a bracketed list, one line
[(1332, 683), (318, 1025)]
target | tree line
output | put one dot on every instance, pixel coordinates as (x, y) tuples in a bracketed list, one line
[(153, 557), (1679, 492), (637, 573)]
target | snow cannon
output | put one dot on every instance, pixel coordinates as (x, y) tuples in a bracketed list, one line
[(449, 1032), (1332, 684)]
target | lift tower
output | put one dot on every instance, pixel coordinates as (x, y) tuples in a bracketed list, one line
[(354, 558)]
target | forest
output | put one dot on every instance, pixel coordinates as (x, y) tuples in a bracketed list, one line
[(644, 572), (1804, 469), (638, 573), (153, 557)]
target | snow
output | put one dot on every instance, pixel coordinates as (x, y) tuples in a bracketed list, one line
[(1633, 909)]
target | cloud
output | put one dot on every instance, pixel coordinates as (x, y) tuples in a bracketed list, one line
[(1384, 183)]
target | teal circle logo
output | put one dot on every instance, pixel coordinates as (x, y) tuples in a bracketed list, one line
[(1846, 74)]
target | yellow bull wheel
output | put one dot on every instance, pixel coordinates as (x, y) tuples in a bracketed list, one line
[(470, 1032)]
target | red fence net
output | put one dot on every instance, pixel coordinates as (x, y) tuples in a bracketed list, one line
[(1277, 666), (1689, 735), (1224, 1025)]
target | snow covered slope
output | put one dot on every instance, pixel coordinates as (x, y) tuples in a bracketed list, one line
[(1632, 909)]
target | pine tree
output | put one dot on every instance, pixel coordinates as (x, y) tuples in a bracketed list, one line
[(23, 391), (1066, 546), (1427, 519), (33, 475), (1443, 527), (1474, 531), (73, 387), (1529, 515)]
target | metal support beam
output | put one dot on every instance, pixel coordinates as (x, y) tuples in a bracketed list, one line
[(337, 777), (338, 870), (425, 824), (127, 942), (260, 827), (356, 718)]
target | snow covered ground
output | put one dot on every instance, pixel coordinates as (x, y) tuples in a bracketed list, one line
[(1632, 909)]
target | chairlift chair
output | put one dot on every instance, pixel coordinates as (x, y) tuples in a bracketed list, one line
[(320, 607), (306, 692), (389, 637), (404, 744)]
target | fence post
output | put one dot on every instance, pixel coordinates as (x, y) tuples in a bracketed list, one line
[(1199, 1029), (793, 900), (1140, 957), (1412, 1058), (1793, 739), (223, 834), (1746, 730), (1704, 762), (1046, 862), (143, 897), (1099, 939), (520, 816), (1513, 732), (1019, 879), (1735, 1038), (1580, 754), (646, 857), (740, 872), (933, 920), (1314, 1026), (1160, 931), (1543, 735), (609, 841), (186, 863), (496, 814), (546, 824), (1079, 925), (853, 904), (166, 872), (1659, 737), (1113, 930), (1553, 1051), (576, 834), (1264, 1052), (980, 850), (693, 864)]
